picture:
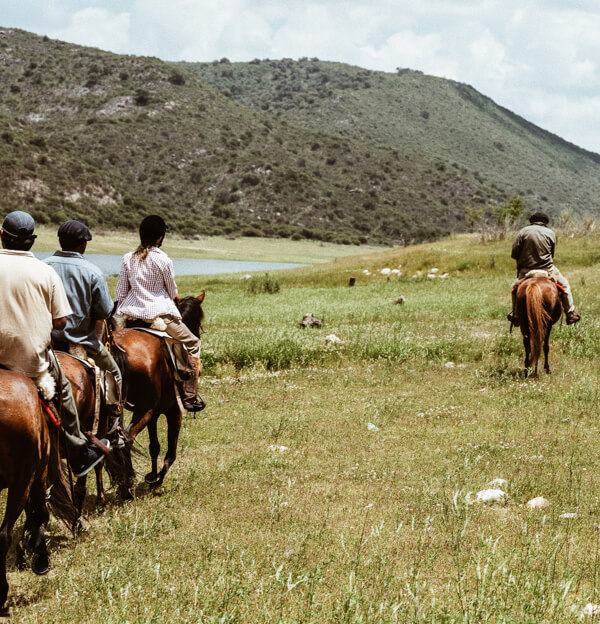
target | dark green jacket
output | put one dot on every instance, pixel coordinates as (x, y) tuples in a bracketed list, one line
[(534, 247)]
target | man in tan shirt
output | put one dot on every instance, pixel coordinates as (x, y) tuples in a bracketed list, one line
[(533, 248), (34, 302)]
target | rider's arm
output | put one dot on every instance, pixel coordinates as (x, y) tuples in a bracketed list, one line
[(59, 323)]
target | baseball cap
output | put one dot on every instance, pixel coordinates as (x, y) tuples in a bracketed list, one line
[(19, 224)]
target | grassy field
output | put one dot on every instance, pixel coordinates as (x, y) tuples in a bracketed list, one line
[(334, 483)]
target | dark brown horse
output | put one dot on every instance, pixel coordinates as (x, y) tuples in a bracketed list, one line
[(84, 394), (29, 463), (152, 389), (538, 308)]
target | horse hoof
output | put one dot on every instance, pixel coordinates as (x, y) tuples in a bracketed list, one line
[(125, 494), (5, 610), (40, 563), (153, 479)]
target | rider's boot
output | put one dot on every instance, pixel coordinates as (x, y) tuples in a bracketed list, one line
[(192, 401), (512, 315)]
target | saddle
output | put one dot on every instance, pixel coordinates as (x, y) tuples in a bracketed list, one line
[(104, 382), (538, 273)]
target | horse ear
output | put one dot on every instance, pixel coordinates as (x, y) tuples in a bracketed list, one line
[(200, 297)]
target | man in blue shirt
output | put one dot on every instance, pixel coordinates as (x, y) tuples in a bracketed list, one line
[(90, 300)]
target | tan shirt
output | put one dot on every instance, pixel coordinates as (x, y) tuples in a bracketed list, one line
[(31, 296)]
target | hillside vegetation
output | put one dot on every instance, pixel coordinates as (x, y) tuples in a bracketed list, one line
[(316, 150), (336, 482)]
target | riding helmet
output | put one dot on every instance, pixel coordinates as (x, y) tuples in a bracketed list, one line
[(152, 228)]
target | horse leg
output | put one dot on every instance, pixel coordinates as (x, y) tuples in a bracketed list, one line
[(35, 526), (152, 478), (100, 497), (527, 346), (546, 351), (174, 419), (15, 503)]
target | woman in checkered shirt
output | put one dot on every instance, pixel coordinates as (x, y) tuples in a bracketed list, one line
[(146, 290)]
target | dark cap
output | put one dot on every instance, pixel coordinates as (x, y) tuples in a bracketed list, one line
[(74, 231), (19, 225), (538, 217), (152, 228)]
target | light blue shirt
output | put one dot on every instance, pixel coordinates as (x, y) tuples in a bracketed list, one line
[(88, 295)]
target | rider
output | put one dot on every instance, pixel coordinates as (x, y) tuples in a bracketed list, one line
[(34, 302), (146, 290), (533, 248), (90, 301)]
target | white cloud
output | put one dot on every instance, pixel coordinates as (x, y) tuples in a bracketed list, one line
[(97, 28)]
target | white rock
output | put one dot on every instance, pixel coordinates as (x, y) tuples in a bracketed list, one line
[(372, 427), (247, 276), (591, 609), (396, 272), (449, 364), (366, 271), (539, 502), (498, 483), (278, 449), (430, 275), (385, 271), (568, 515), (332, 339), (444, 275), (433, 270), (399, 266), (493, 495)]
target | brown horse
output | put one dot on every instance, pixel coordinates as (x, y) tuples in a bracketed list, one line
[(84, 394), (538, 308), (152, 388), (29, 462)]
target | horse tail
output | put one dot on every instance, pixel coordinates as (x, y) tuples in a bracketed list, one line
[(538, 319), (61, 499)]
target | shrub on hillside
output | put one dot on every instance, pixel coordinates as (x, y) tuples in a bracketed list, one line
[(262, 285)]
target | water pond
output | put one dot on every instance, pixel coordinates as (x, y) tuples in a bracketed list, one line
[(110, 265)]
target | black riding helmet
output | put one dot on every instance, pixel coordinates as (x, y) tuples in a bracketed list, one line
[(152, 228)]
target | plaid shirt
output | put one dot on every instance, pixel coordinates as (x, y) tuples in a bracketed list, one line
[(146, 289)]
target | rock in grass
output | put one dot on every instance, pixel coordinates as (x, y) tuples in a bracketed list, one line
[(493, 495), (310, 320), (498, 483), (399, 300), (332, 339), (591, 609), (539, 502), (372, 427), (568, 515)]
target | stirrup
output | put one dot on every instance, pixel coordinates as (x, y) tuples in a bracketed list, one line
[(194, 404), (512, 319), (573, 318)]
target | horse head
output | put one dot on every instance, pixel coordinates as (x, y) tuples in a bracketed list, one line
[(192, 314)]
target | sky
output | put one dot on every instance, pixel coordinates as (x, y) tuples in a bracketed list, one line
[(538, 58)]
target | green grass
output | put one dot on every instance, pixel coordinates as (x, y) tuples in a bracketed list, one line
[(284, 507)]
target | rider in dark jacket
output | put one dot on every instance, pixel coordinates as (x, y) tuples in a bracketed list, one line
[(533, 248)]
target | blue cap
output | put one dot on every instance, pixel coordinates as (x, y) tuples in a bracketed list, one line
[(75, 231), (19, 224)]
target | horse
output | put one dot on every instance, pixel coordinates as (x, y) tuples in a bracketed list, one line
[(538, 309), (84, 393), (29, 462), (152, 389)]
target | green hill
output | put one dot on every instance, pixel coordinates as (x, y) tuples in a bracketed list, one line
[(86, 133)]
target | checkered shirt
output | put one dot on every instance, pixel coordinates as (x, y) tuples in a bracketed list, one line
[(146, 289)]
